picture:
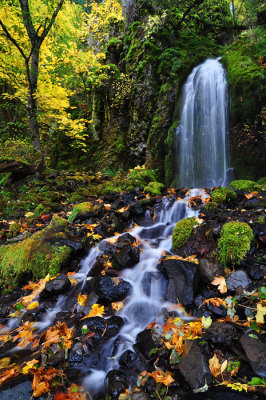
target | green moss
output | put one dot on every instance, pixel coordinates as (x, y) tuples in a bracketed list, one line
[(36, 256), (247, 186), (80, 210), (182, 232), (262, 182), (154, 188), (222, 195), (234, 242), (14, 230), (40, 209)]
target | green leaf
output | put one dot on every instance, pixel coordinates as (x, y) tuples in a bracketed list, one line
[(153, 351), (19, 306), (75, 389), (257, 382)]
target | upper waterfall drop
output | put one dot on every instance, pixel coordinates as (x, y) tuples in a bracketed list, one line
[(201, 135)]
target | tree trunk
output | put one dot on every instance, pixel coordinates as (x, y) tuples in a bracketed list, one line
[(32, 99)]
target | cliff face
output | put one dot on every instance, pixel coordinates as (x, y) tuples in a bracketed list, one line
[(135, 114)]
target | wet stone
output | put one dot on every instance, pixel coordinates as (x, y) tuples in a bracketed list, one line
[(140, 396), (208, 271), (114, 324), (128, 359), (146, 344), (255, 349), (111, 289), (257, 272), (61, 284), (194, 367), (183, 281), (20, 391), (220, 334), (97, 325), (236, 279), (117, 383)]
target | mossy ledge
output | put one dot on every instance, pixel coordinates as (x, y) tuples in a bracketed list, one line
[(234, 243), (154, 188), (41, 254), (246, 185), (182, 232), (80, 210)]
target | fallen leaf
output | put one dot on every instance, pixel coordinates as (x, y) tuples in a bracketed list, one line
[(220, 282), (82, 299), (261, 312), (206, 322), (29, 365), (117, 306), (33, 305), (4, 362), (162, 377), (215, 367), (96, 311)]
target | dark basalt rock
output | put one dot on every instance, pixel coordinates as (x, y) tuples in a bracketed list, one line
[(146, 344), (114, 324), (183, 280), (194, 366), (111, 289), (208, 271), (61, 284), (236, 279), (126, 255), (257, 272), (117, 383), (128, 359), (97, 325), (255, 349), (220, 334)]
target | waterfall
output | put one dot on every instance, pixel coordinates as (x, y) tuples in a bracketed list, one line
[(201, 135)]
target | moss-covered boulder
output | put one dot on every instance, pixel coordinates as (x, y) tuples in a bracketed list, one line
[(234, 242), (44, 252), (246, 185), (182, 232), (154, 188), (222, 195), (80, 211)]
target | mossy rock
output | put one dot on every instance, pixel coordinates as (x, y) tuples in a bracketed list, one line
[(36, 256), (247, 186), (262, 182), (222, 195), (182, 232), (80, 211), (14, 230), (234, 242), (154, 188)]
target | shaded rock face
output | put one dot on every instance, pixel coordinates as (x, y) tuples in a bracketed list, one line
[(194, 367), (236, 279), (208, 271), (111, 289), (117, 383), (183, 281), (255, 350), (61, 284), (220, 334)]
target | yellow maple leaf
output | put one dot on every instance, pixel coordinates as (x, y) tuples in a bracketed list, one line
[(220, 282), (96, 311), (261, 312), (33, 305), (29, 365), (82, 299), (117, 306)]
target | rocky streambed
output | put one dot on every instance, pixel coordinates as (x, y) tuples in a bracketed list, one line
[(135, 318)]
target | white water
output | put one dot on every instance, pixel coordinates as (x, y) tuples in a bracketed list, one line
[(201, 135)]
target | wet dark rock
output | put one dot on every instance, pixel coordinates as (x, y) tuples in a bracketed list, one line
[(150, 385), (194, 366), (97, 325), (140, 396), (56, 358), (223, 394), (90, 284), (257, 272), (117, 383), (183, 280), (111, 289), (135, 209), (208, 271), (152, 232), (114, 324), (220, 334), (128, 359), (236, 279), (126, 255), (76, 353), (147, 344), (61, 284), (255, 349), (19, 391), (105, 246)]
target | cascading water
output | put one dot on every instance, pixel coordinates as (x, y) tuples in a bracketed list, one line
[(201, 135)]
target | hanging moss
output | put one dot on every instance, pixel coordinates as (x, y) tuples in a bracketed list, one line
[(234, 242), (246, 185), (182, 232)]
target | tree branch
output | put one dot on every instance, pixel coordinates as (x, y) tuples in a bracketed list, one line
[(13, 41), (24, 5), (46, 30)]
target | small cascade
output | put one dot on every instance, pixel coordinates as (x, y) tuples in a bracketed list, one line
[(201, 135)]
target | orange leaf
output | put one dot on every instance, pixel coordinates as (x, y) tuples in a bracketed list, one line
[(215, 367), (161, 377), (82, 299), (117, 306), (96, 311), (215, 301), (220, 282)]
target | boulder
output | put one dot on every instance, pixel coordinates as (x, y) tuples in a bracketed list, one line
[(183, 280), (59, 285), (194, 366), (220, 334), (117, 383), (236, 279), (128, 359), (111, 289), (208, 271), (146, 344), (126, 255), (255, 349)]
